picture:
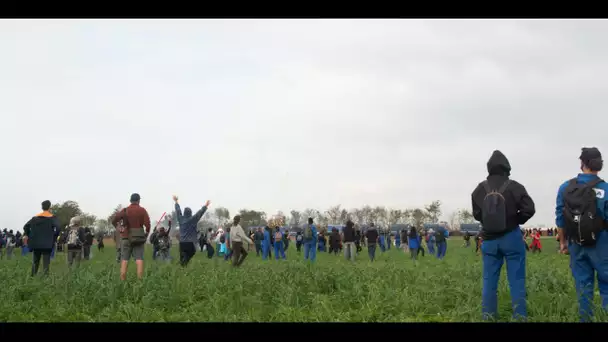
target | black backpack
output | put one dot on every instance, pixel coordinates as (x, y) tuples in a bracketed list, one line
[(582, 224), (494, 209)]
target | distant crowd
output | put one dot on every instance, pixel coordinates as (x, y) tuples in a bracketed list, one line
[(499, 203)]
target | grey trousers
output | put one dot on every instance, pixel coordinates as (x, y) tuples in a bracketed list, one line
[(350, 251), (74, 255)]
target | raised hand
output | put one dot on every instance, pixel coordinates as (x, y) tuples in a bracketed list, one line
[(175, 198), (207, 203)]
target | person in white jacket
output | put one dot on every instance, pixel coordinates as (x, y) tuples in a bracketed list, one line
[(237, 236)]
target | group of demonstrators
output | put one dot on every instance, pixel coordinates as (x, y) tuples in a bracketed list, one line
[(501, 204)]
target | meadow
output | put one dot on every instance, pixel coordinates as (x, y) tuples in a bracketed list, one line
[(391, 289)]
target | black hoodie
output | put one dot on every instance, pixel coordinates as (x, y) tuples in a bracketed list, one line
[(519, 205)]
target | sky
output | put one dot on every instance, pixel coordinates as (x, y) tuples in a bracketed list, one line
[(293, 114)]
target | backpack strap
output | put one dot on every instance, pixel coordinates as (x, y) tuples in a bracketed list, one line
[(595, 182), (486, 186), (504, 186)]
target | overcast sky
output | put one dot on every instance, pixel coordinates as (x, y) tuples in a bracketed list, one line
[(283, 114)]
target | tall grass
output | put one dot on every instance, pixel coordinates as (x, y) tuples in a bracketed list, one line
[(392, 289)]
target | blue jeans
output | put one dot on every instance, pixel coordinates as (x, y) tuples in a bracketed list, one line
[(371, 250), (279, 249), (265, 250), (511, 248), (431, 247), (441, 249), (310, 250), (154, 252), (585, 263)]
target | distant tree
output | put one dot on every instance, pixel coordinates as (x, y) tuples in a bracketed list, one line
[(296, 217), (333, 214), (87, 220), (381, 216), (344, 216), (407, 216), (366, 215), (434, 211), (222, 215), (65, 211), (419, 216), (466, 216), (252, 218), (357, 216), (394, 216)]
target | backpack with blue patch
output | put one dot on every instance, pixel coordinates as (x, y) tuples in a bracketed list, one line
[(582, 224), (494, 209), (308, 235)]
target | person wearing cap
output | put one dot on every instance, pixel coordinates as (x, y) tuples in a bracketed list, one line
[(587, 260), (188, 233), (135, 216)]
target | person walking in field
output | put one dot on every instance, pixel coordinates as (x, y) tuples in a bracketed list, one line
[(413, 243), (334, 241), (581, 215), (278, 244), (502, 205), (88, 242), (372, 237), (535, 246), (258, 238), (310, 241), (237, 236), (187, 230), (348, 238), (11, 242), (75, 242), (299, 241), (430, 241), (131, 222), (100, 245), (228, 245), (40, 234), (266, 244)]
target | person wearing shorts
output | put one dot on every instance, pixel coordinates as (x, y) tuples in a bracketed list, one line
[(127, 251)]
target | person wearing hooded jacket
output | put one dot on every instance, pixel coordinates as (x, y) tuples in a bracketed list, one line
[(506, 245), (188, 234)]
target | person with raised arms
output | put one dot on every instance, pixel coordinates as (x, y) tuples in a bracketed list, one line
[(188, 234)]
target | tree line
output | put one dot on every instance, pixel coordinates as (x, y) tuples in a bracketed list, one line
[(220, 217)]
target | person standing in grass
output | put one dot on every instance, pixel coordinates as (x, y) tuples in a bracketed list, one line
[(266, 243), (334, 241), (40, 234), (310, 241), (237, 236), (536, 246), (75, 240), (372, 241), (88, 242), (286, 239), (188, 234), (130, 223), (348, 237), (358, 239), (467, 240), (430, 241), (413, 243), (440, 242), (502, 205), (581, 215), (208, 243), (11, 242), (258, 238), (278, 244), (398, 240), (299, 241)]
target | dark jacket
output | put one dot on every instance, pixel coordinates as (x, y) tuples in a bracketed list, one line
[(519, 205), (42, 230), (188, 223), (348, 233), (372, 236)]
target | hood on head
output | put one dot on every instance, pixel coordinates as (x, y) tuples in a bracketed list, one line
[(187, 212), (499, 164)]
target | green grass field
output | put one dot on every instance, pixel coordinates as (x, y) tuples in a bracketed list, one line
[(392, 289)]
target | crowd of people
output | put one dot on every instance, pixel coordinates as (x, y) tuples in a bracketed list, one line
[(501, 204)]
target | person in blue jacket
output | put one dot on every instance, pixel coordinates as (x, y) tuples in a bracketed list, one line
[(398, 240), (266, 243), (382, 241), (413, 243), (310, 241), (501, 232), (278, 244), (586, 261), (430, 242)]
